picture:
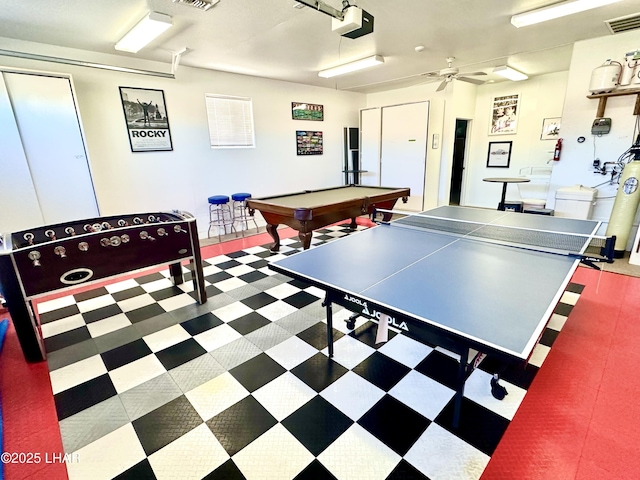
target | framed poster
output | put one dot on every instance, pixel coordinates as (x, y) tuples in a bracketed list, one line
[(308, 143), (499, 154), (504, 115), (550, 128), (145, 113), (307, 111)]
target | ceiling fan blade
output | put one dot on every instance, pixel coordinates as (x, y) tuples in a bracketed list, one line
[(475, 81), (442, 86), (431, 74), (471, 74)]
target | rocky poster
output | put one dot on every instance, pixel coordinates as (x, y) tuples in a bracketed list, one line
[(145, 112)]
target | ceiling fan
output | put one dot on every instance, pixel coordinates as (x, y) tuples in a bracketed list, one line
[(450, 73)]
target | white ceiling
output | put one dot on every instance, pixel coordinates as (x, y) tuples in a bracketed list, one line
[(272, 39)]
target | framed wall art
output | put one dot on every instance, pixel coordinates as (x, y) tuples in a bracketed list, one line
[(308, 143), (307, 111), (550, 128), (499, 154), (145, 113), (504, 114)]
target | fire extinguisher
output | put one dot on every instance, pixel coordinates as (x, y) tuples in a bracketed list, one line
[(556, 152)]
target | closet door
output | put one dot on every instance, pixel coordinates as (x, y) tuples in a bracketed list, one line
[(370, 147), (19, 207), (403, 149), (46, 117)]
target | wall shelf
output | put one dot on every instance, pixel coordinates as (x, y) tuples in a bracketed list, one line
[(602, 104)]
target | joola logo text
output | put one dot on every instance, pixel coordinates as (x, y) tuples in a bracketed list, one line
[(376, 314)]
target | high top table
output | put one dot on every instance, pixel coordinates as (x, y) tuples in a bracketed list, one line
[(505, 181)]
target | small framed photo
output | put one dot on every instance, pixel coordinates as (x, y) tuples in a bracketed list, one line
[(499, 155), (504, 115), (308, 143), (307, 111), (550, 128)]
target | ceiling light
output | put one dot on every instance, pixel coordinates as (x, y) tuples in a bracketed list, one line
[(144, 32), (510, 73), (351, 67), (556, 10)]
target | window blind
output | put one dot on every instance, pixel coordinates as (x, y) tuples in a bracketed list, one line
[(230, 121)]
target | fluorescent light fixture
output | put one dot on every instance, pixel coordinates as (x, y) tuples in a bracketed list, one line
[(556, 10), (351, 67), (512, 74), (144, 32)]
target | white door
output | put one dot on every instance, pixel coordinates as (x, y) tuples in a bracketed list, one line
[(19, 208), (370, 147), (48, 125), (404, 150)]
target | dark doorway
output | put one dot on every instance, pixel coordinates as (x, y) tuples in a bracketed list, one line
[(457, 168)]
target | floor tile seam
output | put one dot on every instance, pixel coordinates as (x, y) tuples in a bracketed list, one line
[(609, 317), (119, 396), (590, 414), (632, 284), (584, 460), (594, 319), (591, 427)]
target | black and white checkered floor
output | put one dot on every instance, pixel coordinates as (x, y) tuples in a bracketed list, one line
[(149, 384)]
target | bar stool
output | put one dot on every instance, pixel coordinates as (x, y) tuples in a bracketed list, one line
[(240, 211), (220, 214)]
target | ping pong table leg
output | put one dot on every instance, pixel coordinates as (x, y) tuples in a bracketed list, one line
[(327, 303), (462, 377)]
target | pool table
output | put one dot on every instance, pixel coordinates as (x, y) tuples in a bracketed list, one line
[(312, 209)]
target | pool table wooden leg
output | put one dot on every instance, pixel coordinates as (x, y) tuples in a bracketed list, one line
[(353, 225), (273, 231), (305, 238)]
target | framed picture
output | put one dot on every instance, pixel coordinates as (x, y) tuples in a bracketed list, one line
[(308, 143), (504, 115), (499, 154), (550, 128), (307, 111), (145, 114)]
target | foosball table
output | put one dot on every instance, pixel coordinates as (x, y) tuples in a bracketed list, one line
[(38, 262)]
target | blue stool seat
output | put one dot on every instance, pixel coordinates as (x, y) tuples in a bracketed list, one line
[(240, 197), (218, 199), (220, 215), (240, 211)]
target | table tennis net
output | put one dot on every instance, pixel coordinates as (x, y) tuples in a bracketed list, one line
[(548, 241)]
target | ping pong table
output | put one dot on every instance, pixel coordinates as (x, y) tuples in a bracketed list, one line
[(456, 277)]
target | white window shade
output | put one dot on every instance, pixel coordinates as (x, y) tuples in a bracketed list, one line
[(230, 121)]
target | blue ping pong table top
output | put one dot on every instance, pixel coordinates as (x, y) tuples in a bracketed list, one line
[(491, 295)]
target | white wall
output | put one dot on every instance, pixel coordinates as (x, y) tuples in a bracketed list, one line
[(461, 106), (540, 97), (184, 178), (129, 182), (575, 166)]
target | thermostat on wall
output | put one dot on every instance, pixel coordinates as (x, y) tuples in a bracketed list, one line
[(601, 126)]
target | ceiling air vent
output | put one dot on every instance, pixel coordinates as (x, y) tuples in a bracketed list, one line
[(624, 24), (199, 4)]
